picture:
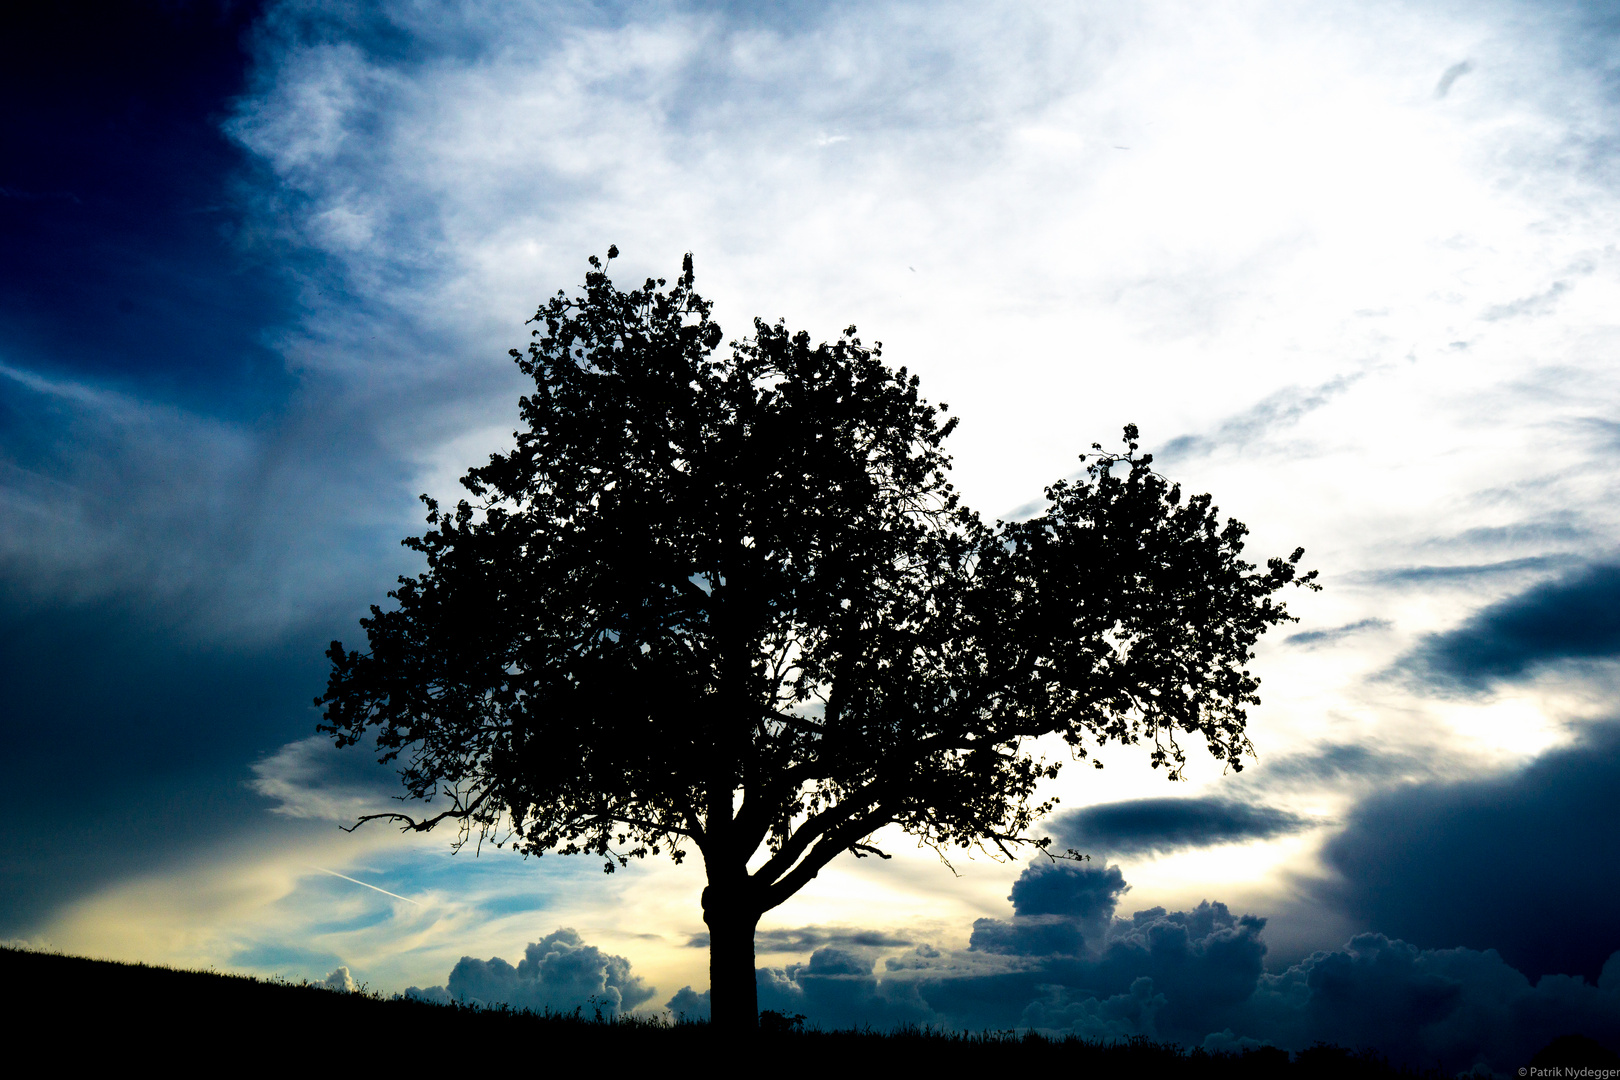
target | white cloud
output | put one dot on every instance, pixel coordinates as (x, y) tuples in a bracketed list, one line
[(311, 778), (341, 981)]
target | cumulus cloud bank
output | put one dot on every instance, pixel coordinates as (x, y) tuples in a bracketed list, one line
[(1064, 963), (340, 980), (559, 973)]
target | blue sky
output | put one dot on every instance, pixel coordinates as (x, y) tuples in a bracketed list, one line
[(1351, 267)]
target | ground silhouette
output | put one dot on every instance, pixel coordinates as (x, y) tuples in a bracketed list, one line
[(96, 1011)]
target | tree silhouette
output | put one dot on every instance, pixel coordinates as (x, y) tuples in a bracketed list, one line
[(731, 602)]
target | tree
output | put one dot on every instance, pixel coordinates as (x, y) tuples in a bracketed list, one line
[(728, 603)]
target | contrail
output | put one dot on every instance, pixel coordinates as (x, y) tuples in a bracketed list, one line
[(357, 881)]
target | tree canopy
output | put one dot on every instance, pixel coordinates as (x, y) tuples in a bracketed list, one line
[(729, 601)]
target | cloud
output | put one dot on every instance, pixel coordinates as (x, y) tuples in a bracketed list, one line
[(311, 778), (1337, 763), (1457, 1008), (1277, 411), (113, 497), (1146, 826), (128, 257), (1561, 526), (1574, 618), (1525, 862), (1065, 964), (1450, 76), (113, 712), (1313, 638), (692, 1006), (1469, 572), (835, 988), (1120, 1016), (559, 973), (1196, 978), (1059, 908), (341, 981), (807, 938), (1082, 891), (1538, 304)]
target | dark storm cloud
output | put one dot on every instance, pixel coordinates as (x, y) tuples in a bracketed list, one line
[(1500, 889), (155, 585), (112, 494), (1058, 908), (113, 716), (1028, 937), (1196, 978), (1155, 973), (186, 527), (1144, 826), (1164, 974), (805, 938), (168, 584), (191, 516), (1526, 863), (1574, 618), (559, 973), (126, 251), (1312, 638), (1085, 892), (1458, 1009)]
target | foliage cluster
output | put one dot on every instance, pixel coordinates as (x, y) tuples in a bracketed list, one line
[(733, 601)]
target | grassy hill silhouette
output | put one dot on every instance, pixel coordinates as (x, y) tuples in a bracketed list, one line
[(99, 1010)]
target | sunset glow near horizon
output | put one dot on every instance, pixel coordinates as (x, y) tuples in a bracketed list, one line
[(1352, 268)]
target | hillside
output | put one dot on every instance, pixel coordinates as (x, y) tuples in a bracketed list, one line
[(100, 1010)]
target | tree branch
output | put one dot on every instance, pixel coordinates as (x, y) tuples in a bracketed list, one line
[(830, 847)]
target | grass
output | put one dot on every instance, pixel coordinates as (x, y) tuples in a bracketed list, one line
[(107, 1011)]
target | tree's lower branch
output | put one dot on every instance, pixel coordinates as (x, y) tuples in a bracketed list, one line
[(833, 844), (819, 826), (411, 824), (861, 851)]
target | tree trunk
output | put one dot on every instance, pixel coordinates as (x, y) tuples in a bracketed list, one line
[(733, 995)]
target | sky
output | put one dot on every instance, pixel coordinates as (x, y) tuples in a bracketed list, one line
[(1351, 267)]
